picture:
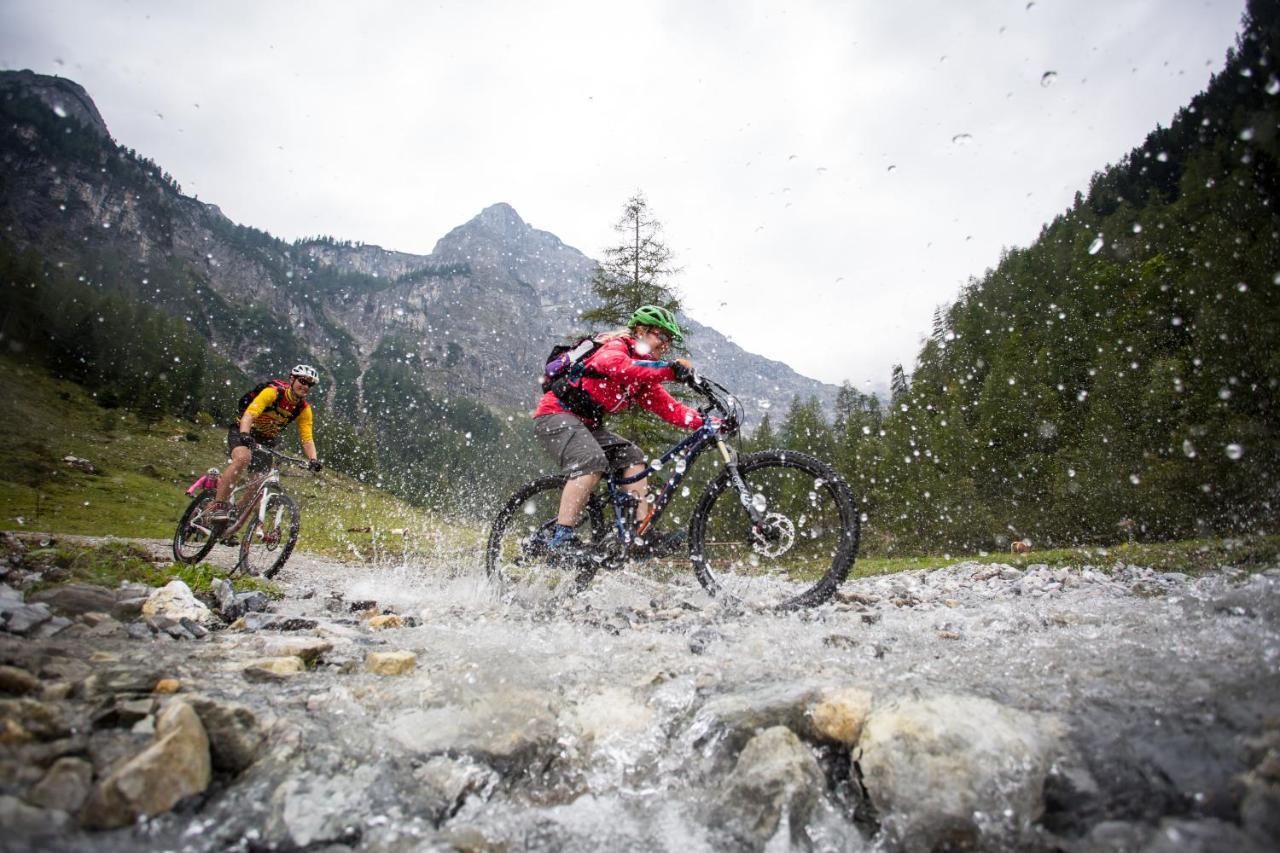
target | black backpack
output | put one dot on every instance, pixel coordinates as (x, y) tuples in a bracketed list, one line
[(565, 367), (281, 386)]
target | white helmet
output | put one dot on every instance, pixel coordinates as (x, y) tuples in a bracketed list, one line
[(305, 371)]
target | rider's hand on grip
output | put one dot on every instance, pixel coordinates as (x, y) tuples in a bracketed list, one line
[(246, 440), (315, 465), (682, 370)]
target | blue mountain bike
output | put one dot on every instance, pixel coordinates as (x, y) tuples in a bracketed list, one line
[(773, 529)]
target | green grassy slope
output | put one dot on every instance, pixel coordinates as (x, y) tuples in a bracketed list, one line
[(144, 470)]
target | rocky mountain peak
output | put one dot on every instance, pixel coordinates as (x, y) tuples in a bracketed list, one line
[(67, 99)]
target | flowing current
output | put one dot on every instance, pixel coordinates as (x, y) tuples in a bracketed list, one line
[(1103, 707)]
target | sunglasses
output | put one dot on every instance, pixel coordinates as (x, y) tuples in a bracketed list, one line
[(307, 382), (665, 337)]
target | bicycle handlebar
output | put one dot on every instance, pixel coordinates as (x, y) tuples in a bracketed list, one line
[(719, 400), (301, 463)]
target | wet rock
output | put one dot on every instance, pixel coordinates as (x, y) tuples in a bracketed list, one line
[(53, 626), (175, 766), (65, 785), (139, 631), (840, 641), (1180, 836), (1115, 836), (121, 679), (65, 668), (735, 718), (170, 627), (126, 609), (504, 726), (23, 822), (74, 599), (931, 765), (776, 779), (17, 681), (385, 621), (274, 668), (308, 648), (235, 735), (447, 782), (123, 713), (310, 810), (176, 601), (702, 639), (390, 663), (26, 719), (611, 714), (193, 628), (839, 716), (22, 619)]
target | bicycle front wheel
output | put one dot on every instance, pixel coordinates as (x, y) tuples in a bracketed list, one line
[(799, 553), (269, 538), (517, 548), (195, 536)]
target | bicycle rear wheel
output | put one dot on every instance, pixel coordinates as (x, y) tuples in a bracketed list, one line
[(195, 536), (800, 553), (269, 538), (517, 553)]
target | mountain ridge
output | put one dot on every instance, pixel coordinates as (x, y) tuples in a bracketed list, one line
[(485, 305)]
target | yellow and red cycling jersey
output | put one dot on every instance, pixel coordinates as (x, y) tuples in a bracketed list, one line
[(272, 410)]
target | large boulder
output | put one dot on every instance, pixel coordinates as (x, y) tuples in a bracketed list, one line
[(73, 599), (840, 715), (175, 766), (956, 771), (235, 735), (176, 601), (776, 780), (64, 786)]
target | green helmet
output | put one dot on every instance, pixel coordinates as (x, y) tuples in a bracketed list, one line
[(659, 318)]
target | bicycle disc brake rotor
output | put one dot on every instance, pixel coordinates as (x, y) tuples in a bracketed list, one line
[(775, 535)]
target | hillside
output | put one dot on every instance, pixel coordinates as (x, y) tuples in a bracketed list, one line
[(142, 469), (1119, 377)]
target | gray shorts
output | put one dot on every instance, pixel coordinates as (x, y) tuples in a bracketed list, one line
[(580, 450)]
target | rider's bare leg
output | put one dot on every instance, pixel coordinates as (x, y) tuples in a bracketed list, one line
[(638, 490), (574, 497), (231, 474)]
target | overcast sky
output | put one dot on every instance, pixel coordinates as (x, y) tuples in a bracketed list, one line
[(827, 172)]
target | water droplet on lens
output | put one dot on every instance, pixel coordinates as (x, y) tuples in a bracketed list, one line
[(962, 138), (1246, 134), (1137, 228), (1273, 86), (1133, 478), (1234, 452), (1096, 246), (1163, 156), (1048, 78), (892, 169)]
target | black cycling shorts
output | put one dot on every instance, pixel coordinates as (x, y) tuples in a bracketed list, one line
[(259, 461)]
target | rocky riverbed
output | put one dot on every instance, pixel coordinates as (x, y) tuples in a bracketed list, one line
[(411, 706)]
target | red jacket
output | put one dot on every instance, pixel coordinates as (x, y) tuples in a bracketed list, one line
[(627, 380)]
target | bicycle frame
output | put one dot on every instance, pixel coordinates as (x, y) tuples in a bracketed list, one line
[(257, 503), (687, 449)]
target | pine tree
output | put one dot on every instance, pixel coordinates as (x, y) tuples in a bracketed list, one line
[(635, 272)]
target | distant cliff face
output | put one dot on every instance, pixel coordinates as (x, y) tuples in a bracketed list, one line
[(476, 316)]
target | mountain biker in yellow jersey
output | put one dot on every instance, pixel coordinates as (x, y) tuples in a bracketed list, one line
[(627, 369), (276, 405)]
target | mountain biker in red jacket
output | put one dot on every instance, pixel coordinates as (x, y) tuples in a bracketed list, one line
[(628, 369)]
